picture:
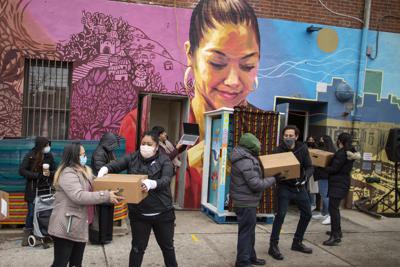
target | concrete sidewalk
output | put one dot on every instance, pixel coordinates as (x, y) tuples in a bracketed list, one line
[(200, 242)]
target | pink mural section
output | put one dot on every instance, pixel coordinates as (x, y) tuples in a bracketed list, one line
[(118, 50)]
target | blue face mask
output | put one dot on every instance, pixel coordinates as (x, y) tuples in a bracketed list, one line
[(83, 160)]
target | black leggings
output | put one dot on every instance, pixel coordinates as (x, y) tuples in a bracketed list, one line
[(334, 212), (67, 251), (163, 226)]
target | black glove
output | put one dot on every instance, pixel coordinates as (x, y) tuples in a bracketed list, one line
[(278, 177)]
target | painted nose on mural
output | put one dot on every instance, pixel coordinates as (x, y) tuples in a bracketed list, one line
[(232, 80)]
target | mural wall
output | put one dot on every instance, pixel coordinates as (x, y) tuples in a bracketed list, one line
[(120, 50)]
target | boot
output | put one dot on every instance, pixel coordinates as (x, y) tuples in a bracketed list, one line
[(339, 233), (298, 245), (274, 250), (26, 234), (333, 240)]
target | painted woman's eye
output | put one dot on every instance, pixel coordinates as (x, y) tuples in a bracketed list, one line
[(217, 65), (247, 67)]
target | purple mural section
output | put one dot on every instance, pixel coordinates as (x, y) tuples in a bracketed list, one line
[(113, 62), (118, 50)]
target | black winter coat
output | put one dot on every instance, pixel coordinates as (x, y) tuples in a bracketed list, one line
[(158, 168), (339, 173), (301, 152), (104, 152), (36, 178)]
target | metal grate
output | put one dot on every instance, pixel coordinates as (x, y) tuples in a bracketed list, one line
[(47, 91)]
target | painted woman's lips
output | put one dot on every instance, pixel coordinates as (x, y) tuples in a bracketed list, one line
[(227, 95)]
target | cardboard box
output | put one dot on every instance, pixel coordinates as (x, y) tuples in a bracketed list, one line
[(320, 158), (4, 205), (285, 163), (130, 184)]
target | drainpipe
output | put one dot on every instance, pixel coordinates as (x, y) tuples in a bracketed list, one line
[(362, 60)]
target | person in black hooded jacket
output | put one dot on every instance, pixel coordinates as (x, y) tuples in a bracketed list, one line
[(155, 211), (36, 177), (293, 189), (104, 152), (339, 180)]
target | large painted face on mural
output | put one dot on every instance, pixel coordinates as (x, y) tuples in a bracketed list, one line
[(225, 65)]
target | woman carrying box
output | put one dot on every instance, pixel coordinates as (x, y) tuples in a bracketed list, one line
[(155, 211), (73, 207), (339, 183)]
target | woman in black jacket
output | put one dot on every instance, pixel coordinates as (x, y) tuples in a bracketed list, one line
[(155, 211), (36, 177), (339, 179)]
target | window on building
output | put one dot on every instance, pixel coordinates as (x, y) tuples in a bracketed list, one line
[(47, 91)]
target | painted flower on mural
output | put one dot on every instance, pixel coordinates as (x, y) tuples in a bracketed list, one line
[(100, 104)]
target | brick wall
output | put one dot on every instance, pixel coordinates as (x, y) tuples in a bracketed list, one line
[(312, 11)]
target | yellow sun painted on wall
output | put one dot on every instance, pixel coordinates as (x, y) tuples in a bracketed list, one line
[(327, 40)]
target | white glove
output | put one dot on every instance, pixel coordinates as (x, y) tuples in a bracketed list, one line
[(103, 171), (149, 184)]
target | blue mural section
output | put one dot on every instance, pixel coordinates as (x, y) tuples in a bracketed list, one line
[(295, 64)]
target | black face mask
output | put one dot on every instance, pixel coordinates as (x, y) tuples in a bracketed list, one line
[(311, 144), (321, 144)]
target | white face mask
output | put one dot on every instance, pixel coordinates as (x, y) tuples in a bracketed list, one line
[(147, 151), (46, 149)]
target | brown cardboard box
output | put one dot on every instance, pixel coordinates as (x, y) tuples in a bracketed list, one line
[(130, 184), (285, 163), (4, 206), (320, 158)]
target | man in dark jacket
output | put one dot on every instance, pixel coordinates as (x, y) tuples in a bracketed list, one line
[(104, 152), (293, 189), (246, 187)]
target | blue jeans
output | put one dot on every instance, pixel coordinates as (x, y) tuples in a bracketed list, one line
[(312, 197), (323, 192), (246, 235), (29, 216), (300, 195)]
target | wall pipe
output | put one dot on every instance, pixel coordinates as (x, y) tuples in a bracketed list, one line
[(362, 61)]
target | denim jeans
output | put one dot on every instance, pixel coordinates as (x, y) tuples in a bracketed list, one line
[(246, 235), (300, 196), (312, 197), (323, 192), (29, 216)]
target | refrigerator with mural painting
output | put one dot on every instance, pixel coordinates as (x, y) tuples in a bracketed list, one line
[(216, 166)]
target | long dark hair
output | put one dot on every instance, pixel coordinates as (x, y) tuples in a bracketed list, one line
[(208, 13), (70, 158), (328, 144), (347, 141), (38, 155)]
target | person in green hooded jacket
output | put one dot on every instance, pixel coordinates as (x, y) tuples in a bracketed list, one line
[(246, 187)]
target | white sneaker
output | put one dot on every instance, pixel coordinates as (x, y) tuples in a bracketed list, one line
[(327, 221), (313, 207), (319, 217)]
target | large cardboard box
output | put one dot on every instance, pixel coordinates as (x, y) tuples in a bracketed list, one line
[(4, 205), (320, 158), (129, 184), (285, 163)]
